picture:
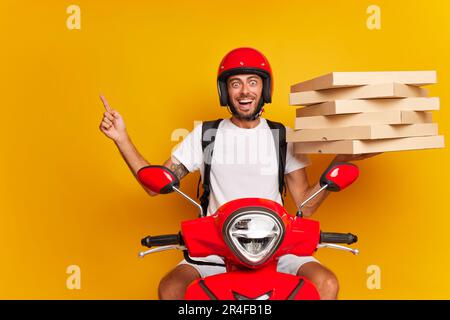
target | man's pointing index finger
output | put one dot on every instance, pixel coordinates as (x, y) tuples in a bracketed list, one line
[(105, 103)]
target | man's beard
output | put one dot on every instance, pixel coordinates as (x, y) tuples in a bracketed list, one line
[(243, 117)]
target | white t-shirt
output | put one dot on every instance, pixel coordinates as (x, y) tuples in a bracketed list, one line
[(244, 162)]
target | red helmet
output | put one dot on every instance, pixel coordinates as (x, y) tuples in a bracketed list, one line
[(240, 61)]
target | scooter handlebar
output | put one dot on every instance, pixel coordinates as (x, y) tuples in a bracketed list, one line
[(333, 237), (162, 240)]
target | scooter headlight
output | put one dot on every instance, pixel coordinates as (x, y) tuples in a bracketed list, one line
[(254, 235)]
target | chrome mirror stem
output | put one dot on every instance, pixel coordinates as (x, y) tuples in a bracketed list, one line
[(299, 212), (200, 210)]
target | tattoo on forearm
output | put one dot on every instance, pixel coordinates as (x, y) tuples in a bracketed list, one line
[(179, 169)]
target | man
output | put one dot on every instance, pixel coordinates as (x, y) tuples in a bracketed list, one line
[(239, 168)]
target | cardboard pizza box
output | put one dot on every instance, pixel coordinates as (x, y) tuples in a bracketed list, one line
[(369, 146), (360, 119), (347, 79), (384, 90), (378, 131), (372, 105)]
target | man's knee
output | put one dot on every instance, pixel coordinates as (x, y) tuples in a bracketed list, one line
[(330, 285), (173, 285), (325, 281), (170, 289)]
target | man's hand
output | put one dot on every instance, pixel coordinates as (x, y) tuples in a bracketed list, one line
[(112, 124), (354, 157)]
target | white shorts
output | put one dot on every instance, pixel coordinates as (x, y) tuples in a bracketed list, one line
[(288, 263)]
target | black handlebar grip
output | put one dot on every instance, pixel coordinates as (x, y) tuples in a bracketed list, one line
[(162, 240), (333, 237)]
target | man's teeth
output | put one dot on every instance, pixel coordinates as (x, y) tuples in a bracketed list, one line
[(245, 101)]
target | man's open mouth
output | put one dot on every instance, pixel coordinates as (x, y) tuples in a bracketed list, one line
[(245, 104)]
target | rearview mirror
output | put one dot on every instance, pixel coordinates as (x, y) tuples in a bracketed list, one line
[(339, 175), (158, 179)]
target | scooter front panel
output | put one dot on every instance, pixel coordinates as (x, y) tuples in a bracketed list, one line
[(251, 285)]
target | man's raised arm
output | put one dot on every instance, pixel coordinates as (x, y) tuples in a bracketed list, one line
[(113, 126)]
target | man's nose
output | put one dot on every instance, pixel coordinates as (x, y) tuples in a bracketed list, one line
[(245, 89)]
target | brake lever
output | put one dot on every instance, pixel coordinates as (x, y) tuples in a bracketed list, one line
[(162, 248), (339, 247)]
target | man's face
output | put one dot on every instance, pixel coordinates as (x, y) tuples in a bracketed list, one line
[(244, 92)]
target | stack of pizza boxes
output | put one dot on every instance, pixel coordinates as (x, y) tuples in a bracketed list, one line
[(365, 112)]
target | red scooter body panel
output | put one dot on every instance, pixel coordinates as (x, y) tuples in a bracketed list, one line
[(240, 285), (203, 237), (301, 237)]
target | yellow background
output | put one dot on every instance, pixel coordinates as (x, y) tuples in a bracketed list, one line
[(67, 197)]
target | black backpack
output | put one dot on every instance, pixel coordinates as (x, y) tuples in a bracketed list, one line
[(209, 138)]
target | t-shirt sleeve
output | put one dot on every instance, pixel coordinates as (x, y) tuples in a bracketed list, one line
[(295, 161), (189, 151)]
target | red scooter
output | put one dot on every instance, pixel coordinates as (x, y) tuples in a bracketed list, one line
[(250, 234)]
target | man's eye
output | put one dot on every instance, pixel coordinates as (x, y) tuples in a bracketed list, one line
[(235, 85), (253, 82)]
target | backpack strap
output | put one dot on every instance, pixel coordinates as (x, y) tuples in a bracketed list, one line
[(209, 130), (279, 135)]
